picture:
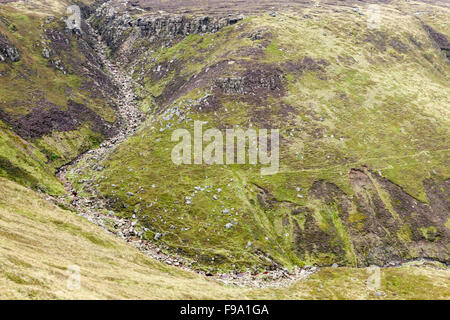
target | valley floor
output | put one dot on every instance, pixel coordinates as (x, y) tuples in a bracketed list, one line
[(40, 242)]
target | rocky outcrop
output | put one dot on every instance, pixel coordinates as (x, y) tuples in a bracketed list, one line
[(231, 85), (173, 26), (7, 50), (259, 79), (440, 40), (117, 27)]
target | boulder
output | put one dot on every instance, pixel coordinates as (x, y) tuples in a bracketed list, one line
[(7, 50)]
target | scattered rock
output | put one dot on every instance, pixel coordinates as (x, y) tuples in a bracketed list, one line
[(46, 53), (157, 236)]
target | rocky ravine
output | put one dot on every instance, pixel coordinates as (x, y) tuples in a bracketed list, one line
[(92, 207), (382, 222)]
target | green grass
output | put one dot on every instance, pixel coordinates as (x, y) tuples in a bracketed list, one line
[(386, 110), (368, 105), (40, 242), (32, 80)]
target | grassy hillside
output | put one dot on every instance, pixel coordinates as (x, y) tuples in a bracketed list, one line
[(364, 159), (40, 241), (23, 163), (55, 96), (364, 119)]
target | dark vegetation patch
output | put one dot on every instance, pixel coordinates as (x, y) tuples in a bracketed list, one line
[(313, 242), (416, 42), (164, 69), (180, 86), (418, 214), (394, 222), (58, 39), (48, 117), (82, 87), (440, 40), (347, 60), (257, 82), (381, 41), (438, 194), (8, 52), (398, 45), (306, 64), (263, 80), (253, 52), (88, 65), (17, 174), (253, 84), (377, 39), (330, 193), (382, 221), (271, 116), (265, 199), (375, 239)]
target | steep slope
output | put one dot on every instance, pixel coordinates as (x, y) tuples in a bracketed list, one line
[(40, 243), (364, 119), (363, 115), (54, 93)]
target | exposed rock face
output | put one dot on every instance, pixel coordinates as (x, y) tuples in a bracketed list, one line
[(231, 85), (257, 80), (440, 39), (172, 26), (48, 118), (116, 27), (7, 50), (379, 225)]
